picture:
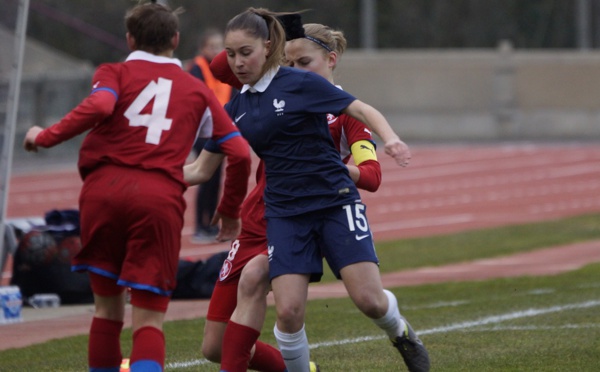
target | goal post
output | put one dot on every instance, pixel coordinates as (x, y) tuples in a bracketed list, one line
[(12, 106)]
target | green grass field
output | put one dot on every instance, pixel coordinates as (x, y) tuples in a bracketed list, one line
[(519, 324)]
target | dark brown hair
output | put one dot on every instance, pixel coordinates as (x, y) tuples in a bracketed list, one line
[(262, 24), (152, 26)]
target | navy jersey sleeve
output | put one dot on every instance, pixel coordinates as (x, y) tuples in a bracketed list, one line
[(322, 97), (212, 146)]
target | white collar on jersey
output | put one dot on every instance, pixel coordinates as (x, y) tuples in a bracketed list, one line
[(262, 84), (145, 56)]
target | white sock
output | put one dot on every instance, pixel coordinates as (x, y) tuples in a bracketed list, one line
[(392, 323), (294, 349)]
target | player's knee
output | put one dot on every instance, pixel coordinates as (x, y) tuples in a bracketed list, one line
[(291, 318), (371, 304), (254, 282), (211, 351)]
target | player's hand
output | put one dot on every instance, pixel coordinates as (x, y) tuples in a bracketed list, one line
[(29, 142), (398, 150), (230, 227)]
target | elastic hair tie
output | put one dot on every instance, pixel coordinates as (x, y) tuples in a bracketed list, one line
[(315, 40), (292, 24)]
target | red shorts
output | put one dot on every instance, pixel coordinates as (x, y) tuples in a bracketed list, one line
[(131, 222), (224, 297), (104, 286)]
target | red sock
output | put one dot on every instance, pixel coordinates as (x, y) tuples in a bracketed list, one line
[(237, 344), (104, 346), (148, 348), (266, 358)]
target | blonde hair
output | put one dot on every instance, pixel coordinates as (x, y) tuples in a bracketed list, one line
[(334, 39)]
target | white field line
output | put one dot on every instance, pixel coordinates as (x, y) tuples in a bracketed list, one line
[(494, 319), (510, 316), (188, 364), (436, 305), (534, 328)]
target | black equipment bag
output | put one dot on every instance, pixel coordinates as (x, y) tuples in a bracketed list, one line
[(196, 279), (42, 261)]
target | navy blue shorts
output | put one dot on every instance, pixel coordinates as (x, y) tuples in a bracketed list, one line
[(297, 244)]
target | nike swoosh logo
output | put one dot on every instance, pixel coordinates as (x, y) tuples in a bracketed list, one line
[(361, 237), (239, 117)]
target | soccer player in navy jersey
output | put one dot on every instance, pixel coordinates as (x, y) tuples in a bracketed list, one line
[(243, 282), (143, 116), (312, 205)]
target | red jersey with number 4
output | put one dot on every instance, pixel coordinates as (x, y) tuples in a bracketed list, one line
[(152, 115)]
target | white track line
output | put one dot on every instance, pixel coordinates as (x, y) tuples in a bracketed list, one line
[(494, 319)]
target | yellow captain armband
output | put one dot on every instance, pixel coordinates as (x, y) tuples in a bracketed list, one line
[(363, 150)]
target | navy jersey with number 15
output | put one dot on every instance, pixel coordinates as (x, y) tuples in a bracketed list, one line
[(285, 122)]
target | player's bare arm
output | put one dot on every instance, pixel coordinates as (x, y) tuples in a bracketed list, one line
[(202, 169), (393, 146)]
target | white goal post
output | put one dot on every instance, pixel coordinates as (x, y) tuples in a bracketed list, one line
[(11, 120)]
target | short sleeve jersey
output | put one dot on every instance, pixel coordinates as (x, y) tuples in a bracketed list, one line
[(159, 111), (286, 125)]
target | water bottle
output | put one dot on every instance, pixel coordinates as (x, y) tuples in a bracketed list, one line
[(43, 300), (10, 304)]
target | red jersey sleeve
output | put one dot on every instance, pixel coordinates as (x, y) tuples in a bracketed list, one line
[(221, 70), (355, 130), (237, 172), (93, 109), (237, 151), (370, 170), (370, 175)]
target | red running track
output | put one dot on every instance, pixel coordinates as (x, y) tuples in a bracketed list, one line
[(446, 188)]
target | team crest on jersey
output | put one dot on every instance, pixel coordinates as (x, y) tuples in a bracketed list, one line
[(270, 249), (279, 105), (225, 270), (331, 119)]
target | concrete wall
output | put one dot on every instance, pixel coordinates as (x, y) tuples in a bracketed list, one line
[(52, 84), (480, 94), (457, 95)]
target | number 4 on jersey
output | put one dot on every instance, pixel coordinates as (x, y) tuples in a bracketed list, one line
[(157, 120)]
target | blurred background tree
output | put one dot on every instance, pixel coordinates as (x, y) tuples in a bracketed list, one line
[(94, 30)]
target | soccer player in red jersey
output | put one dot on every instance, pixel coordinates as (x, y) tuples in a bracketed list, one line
[(143, 116)]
